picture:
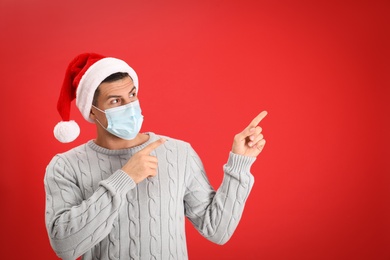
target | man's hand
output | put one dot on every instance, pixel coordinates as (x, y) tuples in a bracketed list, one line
[(142, 165), (250, 142)]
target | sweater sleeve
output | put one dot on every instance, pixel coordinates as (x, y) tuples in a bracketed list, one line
[(75, 225), (216, 214)]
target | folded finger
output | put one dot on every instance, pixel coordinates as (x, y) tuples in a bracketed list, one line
[(257, 130), (260, 145), (256, 140)]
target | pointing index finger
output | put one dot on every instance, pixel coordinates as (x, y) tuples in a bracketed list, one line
[(150, 147), (258, 119)]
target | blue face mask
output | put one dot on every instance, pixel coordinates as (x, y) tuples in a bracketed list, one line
[(124, 121)]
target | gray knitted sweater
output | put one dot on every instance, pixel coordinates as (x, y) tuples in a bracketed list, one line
[(96, 210)]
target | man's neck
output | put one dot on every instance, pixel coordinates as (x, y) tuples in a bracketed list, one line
[(115, 143)]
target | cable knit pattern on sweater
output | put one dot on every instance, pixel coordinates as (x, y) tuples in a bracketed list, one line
[(95, 210)]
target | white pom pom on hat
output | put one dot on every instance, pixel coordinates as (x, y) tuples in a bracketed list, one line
[(83, 76), (66, 131)]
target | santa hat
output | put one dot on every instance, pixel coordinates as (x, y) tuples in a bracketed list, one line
[(83, 76)]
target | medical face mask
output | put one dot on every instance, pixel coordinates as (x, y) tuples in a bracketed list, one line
[(124, 121)]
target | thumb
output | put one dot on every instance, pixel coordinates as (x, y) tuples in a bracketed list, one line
[(150, 147)]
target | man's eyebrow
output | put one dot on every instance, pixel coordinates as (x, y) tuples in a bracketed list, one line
[(118, 96), (113, 96)]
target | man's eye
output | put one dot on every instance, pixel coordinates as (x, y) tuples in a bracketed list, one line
[(114, 101), (133, 94)]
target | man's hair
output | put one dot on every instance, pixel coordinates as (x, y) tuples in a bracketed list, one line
[(111, 78)]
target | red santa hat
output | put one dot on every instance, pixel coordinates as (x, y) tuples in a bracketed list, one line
[(83, 76)]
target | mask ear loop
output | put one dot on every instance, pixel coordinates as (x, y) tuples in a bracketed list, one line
[(101, 124), (97, 119), (99, 109)]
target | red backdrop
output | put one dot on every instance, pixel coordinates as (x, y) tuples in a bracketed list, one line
[(206, 68)]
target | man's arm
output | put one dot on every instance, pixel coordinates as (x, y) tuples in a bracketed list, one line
[(216, 214), (75, 225)]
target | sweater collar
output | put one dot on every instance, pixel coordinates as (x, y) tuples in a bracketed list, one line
[(92, 145)]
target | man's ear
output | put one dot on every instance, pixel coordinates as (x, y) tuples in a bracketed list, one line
[(92, 115)]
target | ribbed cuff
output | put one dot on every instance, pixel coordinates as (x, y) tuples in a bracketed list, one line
[(119, 182), (239, 163)]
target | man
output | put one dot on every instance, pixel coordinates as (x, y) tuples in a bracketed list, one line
[(125, 194)]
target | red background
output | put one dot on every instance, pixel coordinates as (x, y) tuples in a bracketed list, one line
[(206, 68)]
